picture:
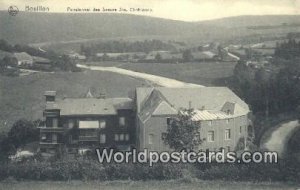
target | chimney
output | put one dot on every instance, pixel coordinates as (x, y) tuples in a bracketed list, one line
[(50, 96), (102, 95), (190, 105)]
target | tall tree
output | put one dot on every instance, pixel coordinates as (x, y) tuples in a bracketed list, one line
[(183, 132)]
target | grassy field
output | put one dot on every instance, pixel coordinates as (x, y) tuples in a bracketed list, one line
[(132, 185), (22, 97), (204, 73)]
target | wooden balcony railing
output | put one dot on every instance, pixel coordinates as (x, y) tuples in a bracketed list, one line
[(88, 138), (52, 129)]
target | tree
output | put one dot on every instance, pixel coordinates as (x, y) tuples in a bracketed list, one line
[(187, 55), (183, 132), (23, 132), (158, 57)]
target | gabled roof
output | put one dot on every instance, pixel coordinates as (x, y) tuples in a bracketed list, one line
[(155, 104), (164, 109), (90, 106), (23, 56), (202, 98)]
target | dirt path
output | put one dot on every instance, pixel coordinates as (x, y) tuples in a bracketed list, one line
[(161, 81), (278, 138)]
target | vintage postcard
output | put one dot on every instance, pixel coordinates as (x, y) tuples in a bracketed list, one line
[(149, 94)]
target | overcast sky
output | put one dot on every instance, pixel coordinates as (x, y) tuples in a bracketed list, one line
[(187, 10)]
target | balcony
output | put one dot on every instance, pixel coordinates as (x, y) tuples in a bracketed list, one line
[(51, 129), (49, 142), (88, 138)]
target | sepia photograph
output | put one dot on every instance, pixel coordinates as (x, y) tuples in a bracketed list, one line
[(149, 94)]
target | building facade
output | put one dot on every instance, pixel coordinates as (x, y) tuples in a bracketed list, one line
[(82, 124), (223, 116)]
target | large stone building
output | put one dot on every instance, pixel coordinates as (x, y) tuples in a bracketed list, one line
[(223, 116), (86, 123)]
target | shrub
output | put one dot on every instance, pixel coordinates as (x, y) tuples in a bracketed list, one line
[(83, 169)]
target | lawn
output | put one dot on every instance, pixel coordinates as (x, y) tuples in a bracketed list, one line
[(22, 97), (132, 185)]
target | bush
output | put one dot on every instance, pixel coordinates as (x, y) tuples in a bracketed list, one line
[(80, 169)]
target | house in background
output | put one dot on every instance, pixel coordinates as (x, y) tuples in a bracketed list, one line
[(23, 59), (77, 56), (74, 124), (223, 116)]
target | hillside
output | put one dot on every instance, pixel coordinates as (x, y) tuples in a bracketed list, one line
[(256, 20), (38, 27), (56, 27)]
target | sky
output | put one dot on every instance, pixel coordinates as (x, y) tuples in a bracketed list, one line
[(185, 10)]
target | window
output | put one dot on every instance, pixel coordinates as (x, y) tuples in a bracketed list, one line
[(168, 121), (122, 121), (197, 138), (210, 122), (150, 138), (71, 124), (44, 137), (54, 138), (163, 136), (210, 136), (102, 124), (227, 134), (48, 122), (227, 121), (55, 122), (102, 138), (241, 129), (121, 137), (117, 137)]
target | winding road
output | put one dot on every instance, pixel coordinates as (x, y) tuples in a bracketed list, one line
[(277, 139), (161, 81)]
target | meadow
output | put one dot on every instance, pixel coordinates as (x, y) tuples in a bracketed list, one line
[(134, 185), (203, 73), (22, 97)]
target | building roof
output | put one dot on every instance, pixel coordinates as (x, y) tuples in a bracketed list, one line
[(200, 115), (41, 60), (23, 56), (90, 106), (203, 55), (50, 93), (165, 55), (204, 98), (155, 105)]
